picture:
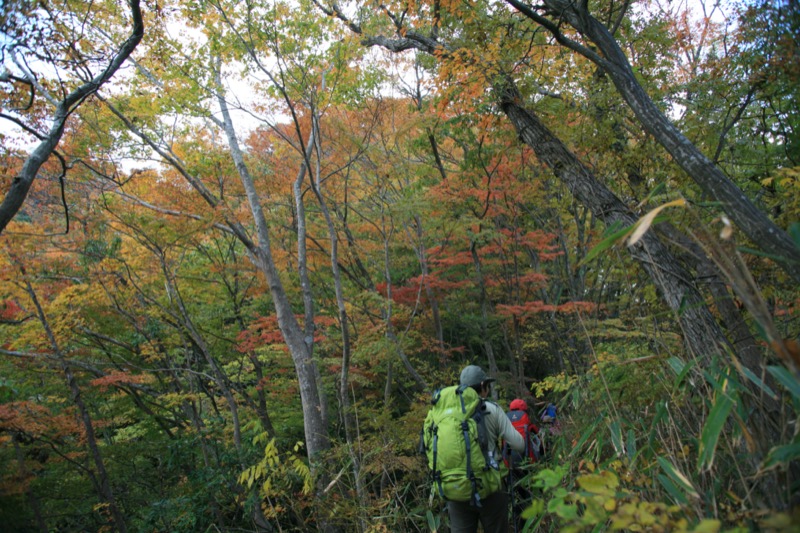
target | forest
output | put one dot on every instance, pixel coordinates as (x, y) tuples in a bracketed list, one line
[(242, 242)]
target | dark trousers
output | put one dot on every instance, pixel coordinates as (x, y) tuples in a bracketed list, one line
[(493, 514)]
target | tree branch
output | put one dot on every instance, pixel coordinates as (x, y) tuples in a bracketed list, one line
[(21, 184)]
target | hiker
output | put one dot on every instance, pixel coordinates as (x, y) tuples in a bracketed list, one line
[(549, 419), (520, 495), (493, 510), (519, 418), (548, 414)]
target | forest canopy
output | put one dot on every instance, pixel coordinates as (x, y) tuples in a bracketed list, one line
[(242, 243)]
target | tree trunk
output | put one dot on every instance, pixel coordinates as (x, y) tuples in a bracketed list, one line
[(761, 230), (316, 433), (302, 268), (367, 282), (421, 383), (429, 292), (103, 483), (25, 474), (344, 382), (484, 303), (199, 342), (701, 332)]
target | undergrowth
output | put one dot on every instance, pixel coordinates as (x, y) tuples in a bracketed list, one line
[(669, 446)]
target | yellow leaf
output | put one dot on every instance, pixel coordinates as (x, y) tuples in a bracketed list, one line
[(777, 522), (603, 483), (727, 229), (645, 518), (644, 223), (707, 526)]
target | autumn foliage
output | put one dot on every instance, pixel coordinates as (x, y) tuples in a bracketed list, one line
[(253, 255)]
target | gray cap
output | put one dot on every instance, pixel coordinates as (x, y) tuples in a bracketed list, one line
[(473, 375)]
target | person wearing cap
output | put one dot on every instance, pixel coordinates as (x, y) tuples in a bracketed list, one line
[(493, 512)]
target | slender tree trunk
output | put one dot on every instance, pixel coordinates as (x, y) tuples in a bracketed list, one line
[(316, 430), (484, 304), (199, 342), (422, 257), (344, 381), (106, 492), (302, 268), (316, 433), (259, 405), (25, 474), (387, 389), (390, 334), (261, 398), (367, 282)]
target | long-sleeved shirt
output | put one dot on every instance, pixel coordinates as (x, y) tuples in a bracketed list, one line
[(498, 428)]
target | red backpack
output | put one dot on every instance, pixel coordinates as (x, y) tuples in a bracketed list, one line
[(519, 418)]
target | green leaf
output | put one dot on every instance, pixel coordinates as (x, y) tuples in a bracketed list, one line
[(677, 365), (661, 413), (586, 434), (673, 490), (616, 437), (549, 478), (567, 511), (607, 243), (678, 477), (658, 189), (631, 447), (681, 370), (782, 455), (603, 483), (758, 381), (713, 428), (759, 253), (433, 522), (786, 379), (536, 508)]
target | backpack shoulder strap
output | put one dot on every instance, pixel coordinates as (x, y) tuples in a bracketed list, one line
[(483, 434)]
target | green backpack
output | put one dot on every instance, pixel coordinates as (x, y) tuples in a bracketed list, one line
[(455, 441)]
